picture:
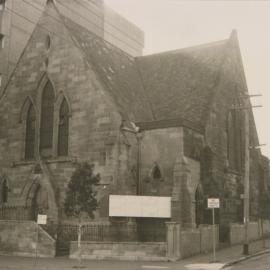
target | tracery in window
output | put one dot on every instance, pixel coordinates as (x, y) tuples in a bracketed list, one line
[(46, 124), (63, 129), (30, 133)]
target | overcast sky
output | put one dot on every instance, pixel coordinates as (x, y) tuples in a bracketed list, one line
[(172, 24)]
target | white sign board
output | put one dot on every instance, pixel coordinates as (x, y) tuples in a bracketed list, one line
[(42, 219), (213, 203), (139, 206)]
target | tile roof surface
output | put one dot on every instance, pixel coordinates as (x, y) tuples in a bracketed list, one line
[(170, 85)]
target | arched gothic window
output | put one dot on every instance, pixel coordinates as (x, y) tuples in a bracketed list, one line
[(46, 124), (30, 133), (63, 129), (4, 192), (234, 134), (199, 206), (156, 173)]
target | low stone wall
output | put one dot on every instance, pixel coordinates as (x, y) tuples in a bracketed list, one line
[(237, 232), (190, 243), (19, 238), (198, 241), (207, 238), (150, 251), (265, 228)]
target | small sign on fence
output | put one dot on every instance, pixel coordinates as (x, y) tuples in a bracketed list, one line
[(42, 219)]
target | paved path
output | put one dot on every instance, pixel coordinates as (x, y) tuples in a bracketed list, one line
[(197, 262)]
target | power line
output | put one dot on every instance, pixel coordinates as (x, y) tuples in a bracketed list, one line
[(105, 31), (41, 10), (91, 22), (36, 24)]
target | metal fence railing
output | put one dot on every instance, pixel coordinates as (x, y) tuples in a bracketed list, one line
[(122, 232), (141, 231), (97, 232), (15, 213)]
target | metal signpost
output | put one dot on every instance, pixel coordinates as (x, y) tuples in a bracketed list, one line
[(41, 220), (213, 203)]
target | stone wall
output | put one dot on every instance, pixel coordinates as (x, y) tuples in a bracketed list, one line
[(161, 147), (237, 232), (182, 243), (120, 251), (197, 241), (180, 175), (93, 15), (93, 124), (19, 238)]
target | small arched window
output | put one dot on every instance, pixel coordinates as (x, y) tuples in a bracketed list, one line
[(63, 129), (156, 173), (30, 133), (46, 124), (48, 42)]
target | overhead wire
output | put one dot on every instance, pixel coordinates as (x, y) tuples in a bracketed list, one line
[(83, 17), (35, 23), (97, 15)]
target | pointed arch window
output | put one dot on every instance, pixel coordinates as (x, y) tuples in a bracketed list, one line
[(156, 173), (46, 123), (4, 192), (199, 206), (234, 140), (30, 133), (63, 129)]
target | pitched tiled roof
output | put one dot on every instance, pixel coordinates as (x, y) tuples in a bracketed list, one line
[(117, 71), (175, 84), (181, 83)]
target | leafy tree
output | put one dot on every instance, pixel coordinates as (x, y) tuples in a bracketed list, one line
[(81, 196)]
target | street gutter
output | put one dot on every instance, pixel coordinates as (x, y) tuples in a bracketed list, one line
[(244, 258)]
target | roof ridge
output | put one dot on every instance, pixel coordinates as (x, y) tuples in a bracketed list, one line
[(191, 48)]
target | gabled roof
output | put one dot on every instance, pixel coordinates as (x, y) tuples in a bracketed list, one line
[(181, 83), (171, 85), (176, 85), (117, 71)]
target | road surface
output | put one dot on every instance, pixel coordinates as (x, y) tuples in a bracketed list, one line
[(258, 263)]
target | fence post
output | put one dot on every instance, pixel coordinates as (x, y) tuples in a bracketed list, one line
[(173, 240)]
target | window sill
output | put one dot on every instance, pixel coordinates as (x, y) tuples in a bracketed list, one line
[(48, 161)]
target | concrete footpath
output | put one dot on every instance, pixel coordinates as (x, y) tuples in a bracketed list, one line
[(225, 257)]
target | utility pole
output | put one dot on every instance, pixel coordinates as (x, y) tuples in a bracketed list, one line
[(246, 179), (138, 175), (246, 108)]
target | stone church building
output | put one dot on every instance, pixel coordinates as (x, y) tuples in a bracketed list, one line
[(168, 124)]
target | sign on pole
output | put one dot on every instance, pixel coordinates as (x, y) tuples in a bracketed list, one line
[(213, 203), (42, 219)]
